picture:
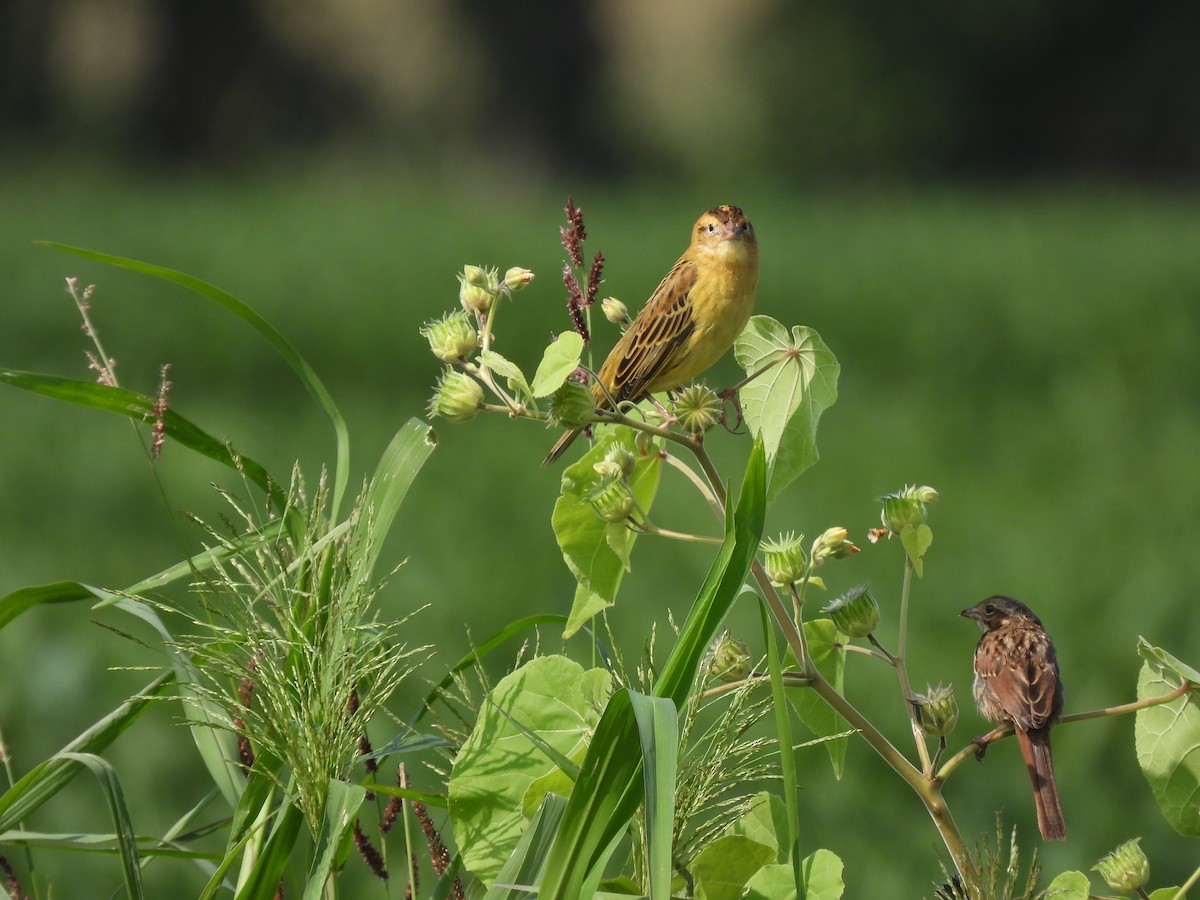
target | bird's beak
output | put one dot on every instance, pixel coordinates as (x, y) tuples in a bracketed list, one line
[(732, 230), (968, 613)]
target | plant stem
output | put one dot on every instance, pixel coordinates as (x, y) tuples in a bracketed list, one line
[(927, 788), (902, 669)]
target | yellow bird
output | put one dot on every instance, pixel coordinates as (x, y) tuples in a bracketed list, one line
[(691, 319)]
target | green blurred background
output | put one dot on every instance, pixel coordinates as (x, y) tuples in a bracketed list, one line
[(988, 212)]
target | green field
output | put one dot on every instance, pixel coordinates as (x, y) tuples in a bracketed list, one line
[(1029, 351)]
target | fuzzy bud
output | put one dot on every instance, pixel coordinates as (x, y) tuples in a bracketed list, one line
[(572, 405), (1126, 868), (451, 337), (517, 278), (906, 507), (832, 544), (936, 710), (457, 397), (784, 559), (615, 311), (698, 408), (730, 659), (855, 613)]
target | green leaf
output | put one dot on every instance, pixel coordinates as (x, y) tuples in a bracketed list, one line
[(398, 468), (609, 786), (263, 882), (558, 362), (725, 866), (1165, 894), (823, 640), (553, 697), (765, 821), (784, 405), (524, 865), (658, 727), (916, 540), (583, 536), (1069, 886), (47, 778), (1166, 737), (341, 806), (141, 408), (821, 877), (308, 377), (507, 369), (110, 784), (217, 745)]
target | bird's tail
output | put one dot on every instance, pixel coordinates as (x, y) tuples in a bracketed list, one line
[(561, 446), (1035, 747)]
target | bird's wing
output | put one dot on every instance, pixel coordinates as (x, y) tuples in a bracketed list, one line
[(652, 341), (1027, 687)]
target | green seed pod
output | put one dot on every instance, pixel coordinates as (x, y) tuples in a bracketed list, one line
[(936, 710), (612, 500), (906, 507), (571, 406), (698, 408), (1126, 868), (451, 337), (729, 660), (784, 559), (855, 613), (457, 397)]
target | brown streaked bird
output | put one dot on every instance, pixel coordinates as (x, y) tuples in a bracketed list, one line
[(1016, 681), (691, 319)]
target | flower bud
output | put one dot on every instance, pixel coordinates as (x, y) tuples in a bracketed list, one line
[(906, 507), (697, 408), (451, 337), (517, 278), (612, 500), (615, 311), (621, 457), (936, 710), (572, 405), (855, 613), (729, 660), (478, 276), (1126, 868), (457, 397), (608, 470), (477, 288), (832, 544), (784, 559)]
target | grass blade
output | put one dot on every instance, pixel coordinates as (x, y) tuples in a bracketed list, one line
[(141, 408), (47, 778), (658, 727), (281, 345), (115, 796)]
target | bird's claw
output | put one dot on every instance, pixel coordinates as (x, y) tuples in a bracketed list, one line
[(729, 395), (981, 745)]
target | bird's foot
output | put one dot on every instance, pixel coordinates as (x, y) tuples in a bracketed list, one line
[(730, 396)]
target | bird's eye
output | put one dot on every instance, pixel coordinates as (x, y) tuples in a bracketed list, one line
[(989, 609), (711, 227)]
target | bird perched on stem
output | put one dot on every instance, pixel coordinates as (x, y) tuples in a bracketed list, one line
[(1016, 681), (691, 319)]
